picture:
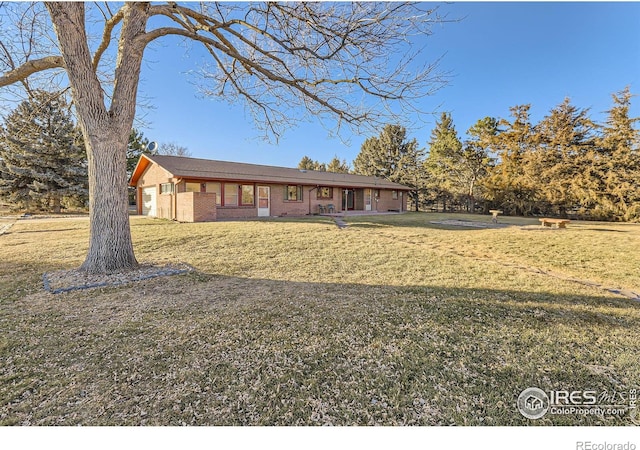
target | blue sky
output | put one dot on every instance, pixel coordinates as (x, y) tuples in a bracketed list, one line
[(500, 55)]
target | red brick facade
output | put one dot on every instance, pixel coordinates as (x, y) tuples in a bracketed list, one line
[(196, 207), (177, 204)]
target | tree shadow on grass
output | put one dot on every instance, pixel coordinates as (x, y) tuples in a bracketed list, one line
[(426, 221), (210, 349), (50, 230), (605, 229)]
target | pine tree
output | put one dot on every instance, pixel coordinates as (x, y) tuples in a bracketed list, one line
[(44, 159), (337, 166), (615, 172), (445, 150), (566, 140), (391, 156), (381, 156), (475, 160), (414, 175), (307, 163), (510, 186)]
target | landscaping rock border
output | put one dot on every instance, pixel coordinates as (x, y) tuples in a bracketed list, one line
[(75, 279)]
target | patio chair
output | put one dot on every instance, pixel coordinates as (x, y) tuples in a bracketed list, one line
[(321, 209), (330, 208)]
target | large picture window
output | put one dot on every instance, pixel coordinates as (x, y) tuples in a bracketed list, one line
[(230, 194), (325, 193), (293, 193), (217, 189)]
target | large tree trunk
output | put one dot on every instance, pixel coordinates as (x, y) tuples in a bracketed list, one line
[(110, 244), (106, 131)]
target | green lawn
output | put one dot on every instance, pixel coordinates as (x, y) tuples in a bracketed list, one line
[(391, 321)]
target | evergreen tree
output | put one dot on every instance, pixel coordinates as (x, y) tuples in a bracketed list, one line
[(337, 166), (382, 156), (475, 158), (510, 186), (43, 155), (391, 156), (414, 175), (445, 151), (307, 163), (566, 141), (614, 179)]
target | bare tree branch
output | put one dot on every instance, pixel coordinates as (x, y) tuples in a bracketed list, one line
[(320, 57), (106, 37), (29, 68)]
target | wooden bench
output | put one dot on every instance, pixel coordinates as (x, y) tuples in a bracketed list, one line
[(559, 223)]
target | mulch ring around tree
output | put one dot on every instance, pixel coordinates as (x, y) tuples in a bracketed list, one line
[(75, 279)]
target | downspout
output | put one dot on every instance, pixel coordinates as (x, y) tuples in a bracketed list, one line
[(310, 191)]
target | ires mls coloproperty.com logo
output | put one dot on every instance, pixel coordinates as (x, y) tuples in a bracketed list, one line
[(534, 403)]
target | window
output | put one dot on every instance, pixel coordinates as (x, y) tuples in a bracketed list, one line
[(247, 194), (217, 189), (230, 194), (293, 193), (325, 193), (166, 188), (192, 187), (394, 195)]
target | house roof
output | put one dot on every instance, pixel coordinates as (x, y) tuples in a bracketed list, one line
[(206, 169)]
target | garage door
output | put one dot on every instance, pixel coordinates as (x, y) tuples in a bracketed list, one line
[(149, 201)]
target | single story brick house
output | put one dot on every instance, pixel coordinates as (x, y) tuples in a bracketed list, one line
[(200, 190)]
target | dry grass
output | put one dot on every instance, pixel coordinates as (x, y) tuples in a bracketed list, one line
[(294, 322)]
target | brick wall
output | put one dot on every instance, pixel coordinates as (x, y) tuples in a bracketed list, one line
[(387, 202), (164, 206), (237, 212), (336, 200), (196, 207)]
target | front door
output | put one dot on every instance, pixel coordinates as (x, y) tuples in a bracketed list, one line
[(348, 199), (264, 201), (368, 198)]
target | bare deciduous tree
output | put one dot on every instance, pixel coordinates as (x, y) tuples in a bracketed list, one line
[(173, 149), (349, 62)]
